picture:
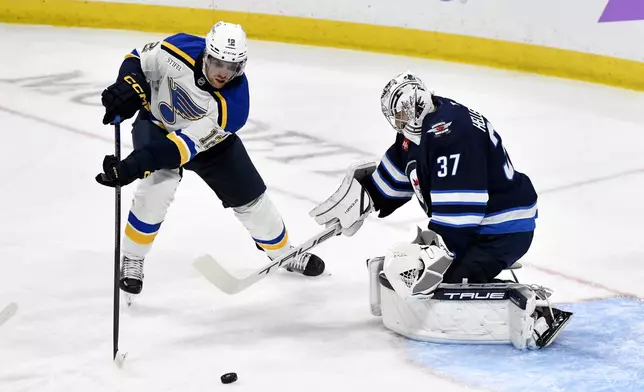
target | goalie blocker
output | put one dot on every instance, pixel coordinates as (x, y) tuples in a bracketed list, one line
[(406, 290)]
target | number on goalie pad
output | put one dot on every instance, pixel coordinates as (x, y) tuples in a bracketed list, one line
[(495, 313)]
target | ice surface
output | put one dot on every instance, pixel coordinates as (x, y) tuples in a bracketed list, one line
[(314, 111)]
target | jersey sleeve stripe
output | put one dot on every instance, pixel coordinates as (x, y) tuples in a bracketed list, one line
[(457, 220), (182, 146), (189, 142), (387, 190), (458, 203), (459, 197), (515, 226), (178, 53), (393, 171), (223, 110), (510, 215)]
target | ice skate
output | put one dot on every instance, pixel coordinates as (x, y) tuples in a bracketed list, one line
[(308, 265), (131, 276)]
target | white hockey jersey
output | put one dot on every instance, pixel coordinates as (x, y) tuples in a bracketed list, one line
[(196, 115)]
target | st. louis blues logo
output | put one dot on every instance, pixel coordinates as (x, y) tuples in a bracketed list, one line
[(181, 104)]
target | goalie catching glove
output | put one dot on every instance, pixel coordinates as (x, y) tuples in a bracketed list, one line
[(350, 204), (415, 270)]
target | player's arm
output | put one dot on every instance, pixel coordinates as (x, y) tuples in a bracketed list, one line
[(458, 170), (389, 186), (177, 149), (131, 91)]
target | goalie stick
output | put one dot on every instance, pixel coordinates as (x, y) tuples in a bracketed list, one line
[(8, 312), (216, 274)]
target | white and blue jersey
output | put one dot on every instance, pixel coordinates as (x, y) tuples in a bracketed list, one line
[(462, 176), (196, 115)]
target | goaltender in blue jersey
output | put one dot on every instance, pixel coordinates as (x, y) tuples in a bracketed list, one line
[(454, 162), (442, 286)]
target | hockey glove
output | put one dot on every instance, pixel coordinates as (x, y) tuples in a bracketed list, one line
[(350, 204), (125, 97), (118, 172)]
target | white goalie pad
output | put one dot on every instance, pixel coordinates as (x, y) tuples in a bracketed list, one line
[(350, 204), (495, 313)]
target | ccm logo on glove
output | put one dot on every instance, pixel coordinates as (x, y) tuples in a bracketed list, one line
[(137, 87)]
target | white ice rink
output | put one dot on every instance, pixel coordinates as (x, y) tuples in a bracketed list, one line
[(313, 112)]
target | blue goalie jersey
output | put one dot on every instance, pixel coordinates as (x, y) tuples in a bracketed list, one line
[(462, 176)]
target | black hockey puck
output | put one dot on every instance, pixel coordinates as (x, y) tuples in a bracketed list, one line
[(229, 378)]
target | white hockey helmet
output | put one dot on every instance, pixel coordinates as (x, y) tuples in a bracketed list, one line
[(226, 52), (405, 101)]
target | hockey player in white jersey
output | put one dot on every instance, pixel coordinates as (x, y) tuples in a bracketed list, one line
[(192, 97), (442, 286)]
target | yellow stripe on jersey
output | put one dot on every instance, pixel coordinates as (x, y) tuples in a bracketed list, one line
[(179, 52), (138, 237), (130, 55), (277, 246), (181, 145), (224, 110)]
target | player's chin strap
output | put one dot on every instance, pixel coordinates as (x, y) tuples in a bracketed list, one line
[(350, 204)]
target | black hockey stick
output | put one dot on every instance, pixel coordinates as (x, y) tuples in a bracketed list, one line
[(117, 240)]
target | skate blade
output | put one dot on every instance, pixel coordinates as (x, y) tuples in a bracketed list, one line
[(128, 298)]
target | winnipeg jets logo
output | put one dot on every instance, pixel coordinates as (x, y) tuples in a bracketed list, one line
[(181, 103), (440, 128)]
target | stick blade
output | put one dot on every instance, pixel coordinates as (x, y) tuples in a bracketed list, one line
[(217, 275)]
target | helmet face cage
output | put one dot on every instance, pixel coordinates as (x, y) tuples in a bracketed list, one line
[(226, 51), (215, 66), (404, 102)]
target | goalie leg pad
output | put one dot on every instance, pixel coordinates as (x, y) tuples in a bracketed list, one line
[(474, 313), (375, 266)]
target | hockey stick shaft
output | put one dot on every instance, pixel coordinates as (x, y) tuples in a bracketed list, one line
[(117, 241), (226, 282)]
